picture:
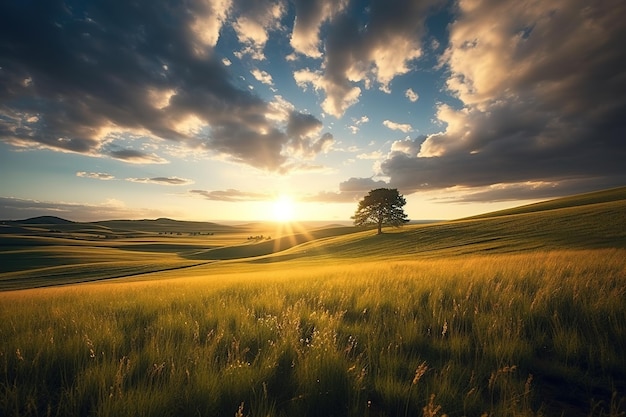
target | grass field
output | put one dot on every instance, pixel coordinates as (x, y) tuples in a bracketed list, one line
[(518, 314)]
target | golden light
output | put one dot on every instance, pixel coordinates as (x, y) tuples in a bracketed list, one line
[(283, 209)]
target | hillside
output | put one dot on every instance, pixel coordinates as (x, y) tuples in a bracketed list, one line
[(596, 197), (51, 254), (587, 221)]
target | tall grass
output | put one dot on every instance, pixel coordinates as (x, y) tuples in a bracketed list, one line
[(500, 335)]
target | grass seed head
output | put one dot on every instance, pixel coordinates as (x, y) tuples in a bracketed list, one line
[(419, 372)]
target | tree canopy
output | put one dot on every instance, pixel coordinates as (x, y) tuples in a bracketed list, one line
[(382, 207)]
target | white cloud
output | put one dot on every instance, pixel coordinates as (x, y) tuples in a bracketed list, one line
[(310, 15), (354, 128), (363, 119), (403, 127), (95, 175), (357, 54), (371, 155), (262, 76), (207, 22), (162, 180), (339, 96), (411, 95), (253, 27)]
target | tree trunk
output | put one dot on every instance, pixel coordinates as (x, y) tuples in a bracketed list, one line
[(380, 226)]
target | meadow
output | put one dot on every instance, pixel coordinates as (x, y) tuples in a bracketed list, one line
[(516, 314)]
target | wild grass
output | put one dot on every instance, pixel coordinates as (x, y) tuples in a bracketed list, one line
[(539, 333)]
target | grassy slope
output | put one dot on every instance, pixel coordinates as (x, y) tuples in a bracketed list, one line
[(594, 220), (583, 226), (576, 225), (340, 325)]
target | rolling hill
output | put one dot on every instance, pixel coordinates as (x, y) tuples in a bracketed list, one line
[(50, 251), (586, 221)]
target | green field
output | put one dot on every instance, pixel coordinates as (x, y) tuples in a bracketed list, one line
[(514, 313)]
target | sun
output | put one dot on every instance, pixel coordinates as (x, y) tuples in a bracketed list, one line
[(283, 209)]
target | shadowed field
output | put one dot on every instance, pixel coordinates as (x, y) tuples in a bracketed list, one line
[(511, 314)]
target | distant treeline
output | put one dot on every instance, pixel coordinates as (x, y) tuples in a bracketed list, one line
[(189, 233), (259, 237)]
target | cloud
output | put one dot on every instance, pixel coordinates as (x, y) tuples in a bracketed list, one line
[(362, 185), (256, 19), (99, 81), (340, 94), (231, 195), (411, 95), (363, 119), (525, 116), (357, 51), (354, 128), (403, 127), (137, 157), (19, 209), (95, 175), (162, 180), (350, 191), (331, 197), (529, 190), (262, 76), (310, 15), (510, 192), (204, 24), (371, 155)]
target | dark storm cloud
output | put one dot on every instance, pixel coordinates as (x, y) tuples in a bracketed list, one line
[(544, 97), (76, 75)]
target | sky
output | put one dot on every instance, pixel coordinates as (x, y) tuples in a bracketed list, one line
[(215, 109)]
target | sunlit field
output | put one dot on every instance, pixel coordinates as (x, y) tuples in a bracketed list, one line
[(522, 314)]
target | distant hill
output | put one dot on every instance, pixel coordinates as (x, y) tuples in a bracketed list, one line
[(43, 220), (109, 228), (162, 225)]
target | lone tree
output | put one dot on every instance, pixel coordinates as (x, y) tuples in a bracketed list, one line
[(382, 206)]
